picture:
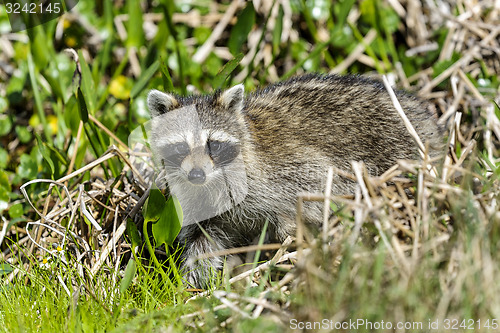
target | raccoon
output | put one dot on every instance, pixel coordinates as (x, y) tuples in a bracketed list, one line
[(237, 161)]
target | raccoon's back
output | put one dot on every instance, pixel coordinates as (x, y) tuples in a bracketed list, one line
[(336, 119)]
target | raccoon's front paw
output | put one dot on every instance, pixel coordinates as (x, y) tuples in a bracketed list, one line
[(201, 273)]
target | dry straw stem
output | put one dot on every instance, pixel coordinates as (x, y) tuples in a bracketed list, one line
[(208, 46), (409, 126), (56, 210), (237, 250)]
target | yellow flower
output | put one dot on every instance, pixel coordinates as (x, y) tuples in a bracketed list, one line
[(120, 87), (70, 41), (45, 263), (52, 121)]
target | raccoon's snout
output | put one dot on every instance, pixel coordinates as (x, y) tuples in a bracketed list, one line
[(197, 176)]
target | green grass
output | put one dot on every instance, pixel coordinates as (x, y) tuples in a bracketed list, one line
[(48, 96)]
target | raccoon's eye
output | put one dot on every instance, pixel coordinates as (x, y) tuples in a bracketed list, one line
[(175, 153), (223, 153), (215, 146), (181, 149)]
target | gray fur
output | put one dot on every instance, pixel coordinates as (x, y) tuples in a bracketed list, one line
[(289, 134)]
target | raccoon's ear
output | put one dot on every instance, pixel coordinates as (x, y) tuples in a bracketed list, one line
[(160, 103), (232, 98)]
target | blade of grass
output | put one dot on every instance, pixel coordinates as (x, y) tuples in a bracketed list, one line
[(224, 73), (144, 79), (167, 13)]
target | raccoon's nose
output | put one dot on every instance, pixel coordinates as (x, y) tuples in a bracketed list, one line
[(197, 176)]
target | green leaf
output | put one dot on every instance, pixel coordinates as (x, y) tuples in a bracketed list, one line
[(72, 115), (344, 10), (243, 26), (40, 46), (4, 103), (390, 19), (153, 206), (4, 180), (36, 94), (23, 134), (278, 30), (228, 68), (4, 158), (169, 225), (16, 211), (135, 34), (5, 189), (133, 234), (166, 216), (129, 275), (5, 125), (5, 268), (84, 112), (369, 12), (165, 74), (45, 153), (28, 168), (4, 198), (201, 34), (88, 86), (144, 79)]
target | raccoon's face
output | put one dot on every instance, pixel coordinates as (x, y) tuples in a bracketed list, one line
[(196, 156), (196, 140), (196, 136)]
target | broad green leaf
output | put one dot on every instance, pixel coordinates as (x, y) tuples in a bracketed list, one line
[(153, 206), (72, 115), (4, 104), (16, 210), (45, 153), (5, 268), (144, 79), (23, 134), (4, 180), (133, 234), (4, 198), (129, 275), (4, 158), (228, 68), (28, 168), (240, 31), (166, 229), (5, 125)]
